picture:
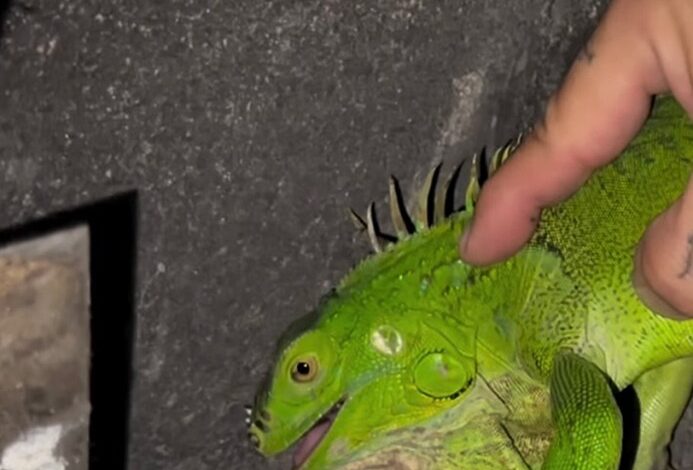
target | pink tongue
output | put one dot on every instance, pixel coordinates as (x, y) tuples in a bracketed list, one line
[(310, 442)]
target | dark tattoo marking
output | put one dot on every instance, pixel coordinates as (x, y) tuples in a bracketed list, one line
[(688, 266), (587, 53)]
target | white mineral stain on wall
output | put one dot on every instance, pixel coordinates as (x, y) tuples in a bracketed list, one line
[(467, 91), (34, 450)]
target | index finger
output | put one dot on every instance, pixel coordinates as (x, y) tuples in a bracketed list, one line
[(600, 107)]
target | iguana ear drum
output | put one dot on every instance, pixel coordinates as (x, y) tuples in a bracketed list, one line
[(442, 375)]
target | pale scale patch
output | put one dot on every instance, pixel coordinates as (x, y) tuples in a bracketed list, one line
[(387, 340)]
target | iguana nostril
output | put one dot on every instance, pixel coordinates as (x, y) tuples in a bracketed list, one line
[(254, 440)]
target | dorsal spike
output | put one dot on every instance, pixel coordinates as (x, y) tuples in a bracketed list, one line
[(497, 160), (398, 211), (426, 199), (433, 204), (358, 221), (445, 198), (503, 152), (520, 138), (513, 146), (372, 228), (473, 186), (510, 148)]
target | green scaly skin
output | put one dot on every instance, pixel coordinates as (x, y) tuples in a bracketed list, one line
[(442, 365)]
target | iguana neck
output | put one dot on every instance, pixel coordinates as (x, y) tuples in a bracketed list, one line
[(501, 301)]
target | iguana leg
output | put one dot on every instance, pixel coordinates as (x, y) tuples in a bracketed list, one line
[(663, 394), (586, 416)]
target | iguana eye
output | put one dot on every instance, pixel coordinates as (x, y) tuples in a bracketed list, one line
[(305, 369)]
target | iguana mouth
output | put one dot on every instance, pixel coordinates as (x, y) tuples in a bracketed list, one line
[(311, 439)]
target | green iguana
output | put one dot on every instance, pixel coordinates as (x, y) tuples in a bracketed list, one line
[(548, 360)]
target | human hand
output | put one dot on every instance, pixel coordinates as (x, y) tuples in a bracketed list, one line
[(641, 48)]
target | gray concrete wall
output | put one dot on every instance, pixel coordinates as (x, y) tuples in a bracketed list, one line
[(247, 128)]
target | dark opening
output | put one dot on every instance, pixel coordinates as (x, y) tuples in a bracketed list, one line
[(629, 404), (4, 8), (113, 230)]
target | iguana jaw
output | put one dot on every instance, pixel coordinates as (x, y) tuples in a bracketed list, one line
[(312, 438)]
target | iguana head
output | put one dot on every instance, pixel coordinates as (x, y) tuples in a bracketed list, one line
[(383, 352), (357, 374), (387, 350)]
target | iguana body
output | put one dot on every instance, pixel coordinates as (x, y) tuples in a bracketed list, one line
[(441, 365)]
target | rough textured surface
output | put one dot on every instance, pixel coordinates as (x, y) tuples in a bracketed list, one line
[(44, 353), (247, 128)]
